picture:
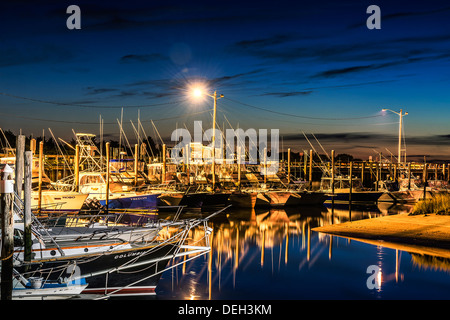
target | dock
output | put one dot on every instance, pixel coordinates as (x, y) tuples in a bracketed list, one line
[(424, 234)]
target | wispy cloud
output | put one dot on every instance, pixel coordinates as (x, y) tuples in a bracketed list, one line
[(94, 91), (287, 94), (131, 58), (14, 56)]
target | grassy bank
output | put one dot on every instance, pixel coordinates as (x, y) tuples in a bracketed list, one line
[(439, 204)]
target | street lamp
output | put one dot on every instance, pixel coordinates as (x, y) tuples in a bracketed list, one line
[(198, 92), (400, 114)]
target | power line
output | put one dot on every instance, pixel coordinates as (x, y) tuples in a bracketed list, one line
[(90, 106), (96, 123), (298, 116)]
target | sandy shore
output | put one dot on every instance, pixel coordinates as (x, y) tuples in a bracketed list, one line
[(429, 234)]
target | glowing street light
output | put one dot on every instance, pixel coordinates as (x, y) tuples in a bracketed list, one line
[(401, 114), (198, 92)]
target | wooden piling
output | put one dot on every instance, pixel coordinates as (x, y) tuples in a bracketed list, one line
[(108, 155), (310, 166), (409, 175), (265, 165), (351, 183), (239, 165), (377, 173), (188, 165), (163, 173), (363, 164), (20, 150), (289, 165), (28, 178), (305, 156), (7, 236), (136, 159), (41, 171), (33, 146), (333, 173), (77, 168), (425, 179)]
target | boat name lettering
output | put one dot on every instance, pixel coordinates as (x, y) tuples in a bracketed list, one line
[(127, 255), (139, 198)]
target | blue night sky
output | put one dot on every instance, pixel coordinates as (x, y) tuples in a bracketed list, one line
[(296, 66)]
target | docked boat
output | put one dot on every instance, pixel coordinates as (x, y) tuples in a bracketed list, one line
[(112, 263), (54, 200), (392, 193), (311, 198), (243, 199), (121, 195), (39, 288), (205, 199), (274, 198), (343, 193)]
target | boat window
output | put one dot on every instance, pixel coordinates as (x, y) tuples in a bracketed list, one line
[(91, 179)]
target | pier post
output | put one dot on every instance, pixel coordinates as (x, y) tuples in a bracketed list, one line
[(409, 175), (20, 150), (108, 156), (7, 228), (377, 164), (188, 165), (265, 165), (77, 168), (333, 173), (27, 204), (310, 166), (425, 179), (289, 165), (305, 156), (363, 165), (239, 165), (163, 173), (136, 159), (33, 146), (41, 170), (351, 182)]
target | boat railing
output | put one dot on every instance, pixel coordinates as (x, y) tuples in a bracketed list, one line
[(36, 226)]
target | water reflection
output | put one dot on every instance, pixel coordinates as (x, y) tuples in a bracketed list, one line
[(273, 254)]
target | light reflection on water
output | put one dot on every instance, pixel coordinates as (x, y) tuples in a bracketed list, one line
[(274, 254)]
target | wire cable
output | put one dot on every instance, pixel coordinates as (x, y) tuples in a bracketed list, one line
[(298, 116)]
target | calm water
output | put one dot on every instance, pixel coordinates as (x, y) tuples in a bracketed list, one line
[(274, 255)]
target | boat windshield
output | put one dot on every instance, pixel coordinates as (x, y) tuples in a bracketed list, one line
[(92, 179)]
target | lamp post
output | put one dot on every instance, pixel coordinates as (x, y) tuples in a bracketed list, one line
[(198, 93), (400, 114)]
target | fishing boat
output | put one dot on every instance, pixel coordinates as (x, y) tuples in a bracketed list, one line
[(392, 193), (121, 195), (53, 200)]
